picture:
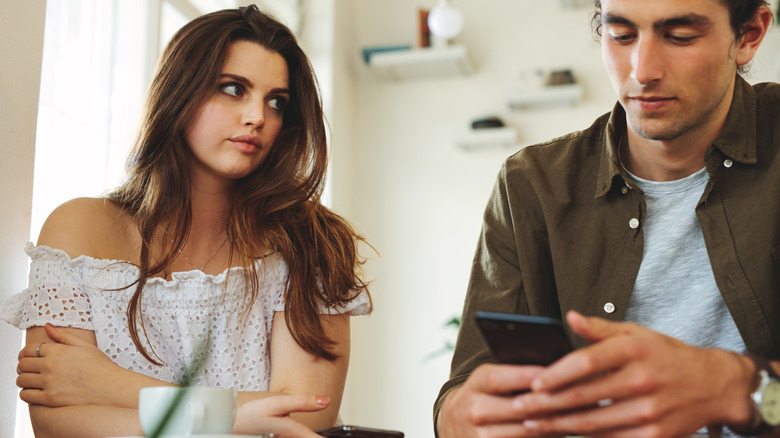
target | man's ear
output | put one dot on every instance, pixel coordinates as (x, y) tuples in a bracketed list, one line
[(752, 34)]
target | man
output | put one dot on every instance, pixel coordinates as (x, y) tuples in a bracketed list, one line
[(661, 221)]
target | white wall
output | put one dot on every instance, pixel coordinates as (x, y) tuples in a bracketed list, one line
[(21, 45), (420, 200)]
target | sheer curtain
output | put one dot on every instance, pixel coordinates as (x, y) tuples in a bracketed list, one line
[(92, 85)]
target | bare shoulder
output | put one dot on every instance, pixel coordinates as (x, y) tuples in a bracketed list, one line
[(95, 227)]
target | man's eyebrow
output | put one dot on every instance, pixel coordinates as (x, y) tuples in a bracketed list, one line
[(682, 20), (609, 18)]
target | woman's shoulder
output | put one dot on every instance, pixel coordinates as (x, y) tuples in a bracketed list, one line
[(95, 227)]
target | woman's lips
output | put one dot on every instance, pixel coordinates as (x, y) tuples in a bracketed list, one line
[(246, 143)]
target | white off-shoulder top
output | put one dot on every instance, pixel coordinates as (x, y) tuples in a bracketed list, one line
[(179, 314)]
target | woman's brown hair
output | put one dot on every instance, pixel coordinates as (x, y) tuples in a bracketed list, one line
[(275, 208)]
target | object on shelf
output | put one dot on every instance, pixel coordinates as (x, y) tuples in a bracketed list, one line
[(560, 77), (554, 95), (445, 22), (423, 31), (368, 52), (420, 63), (488, 138), (487, 122)]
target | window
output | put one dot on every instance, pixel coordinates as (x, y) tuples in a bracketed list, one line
[(92, 88)]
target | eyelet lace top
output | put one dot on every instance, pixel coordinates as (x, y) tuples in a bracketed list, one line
[(180, 314)]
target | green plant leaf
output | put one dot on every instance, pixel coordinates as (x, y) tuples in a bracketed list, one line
[(198, 360)]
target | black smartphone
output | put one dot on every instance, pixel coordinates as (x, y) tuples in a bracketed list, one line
[(359, 432), (523, 339)]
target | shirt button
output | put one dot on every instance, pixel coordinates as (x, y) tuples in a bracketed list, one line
[(624, 190), (728, 163), (609, 307), (633, 223)]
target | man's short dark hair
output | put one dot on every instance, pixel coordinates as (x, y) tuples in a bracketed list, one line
[(740, 12)]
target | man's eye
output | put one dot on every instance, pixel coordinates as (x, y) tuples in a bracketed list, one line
[(681, 39), (622, 38), (232, 89)]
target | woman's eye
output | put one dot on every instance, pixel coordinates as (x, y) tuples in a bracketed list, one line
[(277, 103), (232, 89)]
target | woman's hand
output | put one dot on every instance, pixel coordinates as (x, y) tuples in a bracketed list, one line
[(272, 415), (60, 368)]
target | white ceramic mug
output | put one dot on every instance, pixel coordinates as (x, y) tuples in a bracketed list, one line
[(202, 410)]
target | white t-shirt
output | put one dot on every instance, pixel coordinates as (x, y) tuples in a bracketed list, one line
[(675, 291)]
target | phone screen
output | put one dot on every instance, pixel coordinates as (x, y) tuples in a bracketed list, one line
[(523, 339)]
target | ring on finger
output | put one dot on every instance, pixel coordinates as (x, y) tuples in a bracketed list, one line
[(38, 349)]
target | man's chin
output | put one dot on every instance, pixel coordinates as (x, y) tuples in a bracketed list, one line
[(656, 129)]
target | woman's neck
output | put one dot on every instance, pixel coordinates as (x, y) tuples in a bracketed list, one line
[(206, 247)]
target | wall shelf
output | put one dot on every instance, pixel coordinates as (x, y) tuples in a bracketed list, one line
[(487, 138), (421, 63), (552, 95)]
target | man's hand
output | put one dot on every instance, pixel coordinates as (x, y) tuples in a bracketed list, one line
[(484, 406), (636, 382)]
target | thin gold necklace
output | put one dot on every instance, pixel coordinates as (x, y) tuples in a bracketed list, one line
[(190, 261)]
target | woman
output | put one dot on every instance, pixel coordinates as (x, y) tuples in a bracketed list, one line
[(215, 251)]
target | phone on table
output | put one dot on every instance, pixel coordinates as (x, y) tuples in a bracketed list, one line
[(359, 432), (523, 339)]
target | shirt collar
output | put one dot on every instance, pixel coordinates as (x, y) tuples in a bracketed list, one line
[(610, 168), (737, 139)]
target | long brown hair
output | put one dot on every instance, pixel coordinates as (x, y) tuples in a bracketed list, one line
[(277, 207)]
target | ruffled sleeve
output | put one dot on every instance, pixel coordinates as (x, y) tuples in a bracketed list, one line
[(55, 293), (358, 306)]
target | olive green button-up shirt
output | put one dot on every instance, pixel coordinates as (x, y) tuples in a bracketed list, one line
[(563, 229)]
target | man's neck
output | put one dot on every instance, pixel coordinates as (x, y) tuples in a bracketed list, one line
[(669, 160), (662, 160)]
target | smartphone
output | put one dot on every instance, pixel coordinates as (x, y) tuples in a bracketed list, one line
[(523, 339), (359, 432)]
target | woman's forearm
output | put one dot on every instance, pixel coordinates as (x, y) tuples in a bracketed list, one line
[(315, 419), (84, 421), (89, 421)]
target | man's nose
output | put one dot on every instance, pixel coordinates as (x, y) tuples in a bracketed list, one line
[(646, 65)]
